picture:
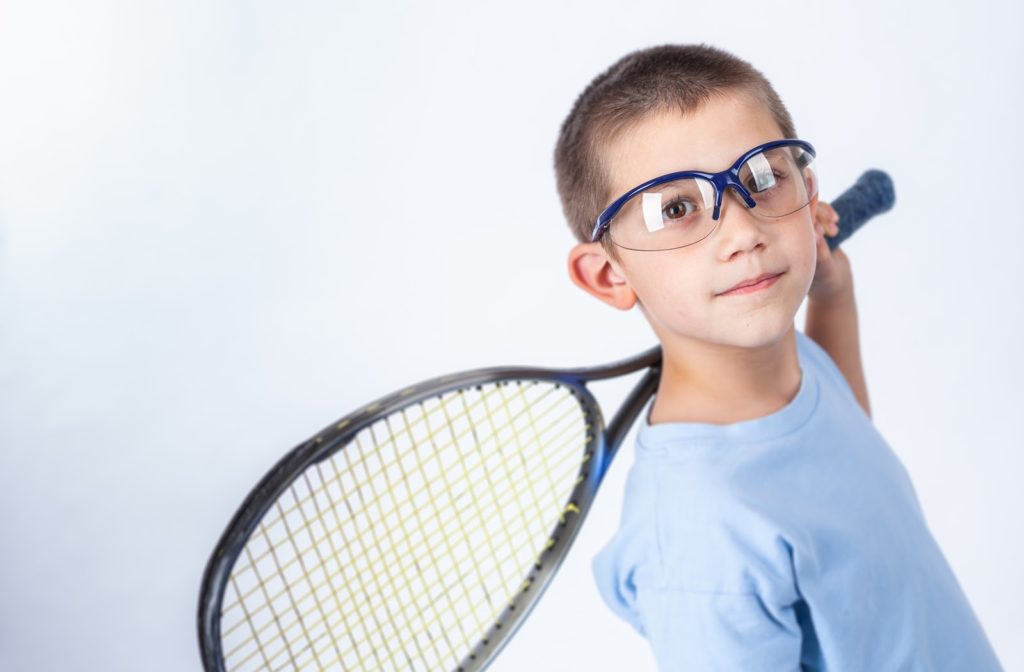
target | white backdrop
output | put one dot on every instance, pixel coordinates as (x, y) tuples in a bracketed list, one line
[(225, 224)]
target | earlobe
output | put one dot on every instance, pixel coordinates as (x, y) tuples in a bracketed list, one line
[(592, 271)]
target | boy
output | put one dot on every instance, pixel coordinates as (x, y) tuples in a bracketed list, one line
[(766, 524)]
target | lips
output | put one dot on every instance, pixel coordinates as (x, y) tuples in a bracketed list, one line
[(751, 281)]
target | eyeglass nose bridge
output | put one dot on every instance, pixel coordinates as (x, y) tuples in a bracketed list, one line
[(724, 180)]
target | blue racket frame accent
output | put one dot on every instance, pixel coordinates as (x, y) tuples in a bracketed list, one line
[(721, 181)]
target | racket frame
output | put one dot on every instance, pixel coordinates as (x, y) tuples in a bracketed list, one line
[(600, 448)]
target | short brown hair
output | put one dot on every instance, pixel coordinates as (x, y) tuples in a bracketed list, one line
[(641, 82)]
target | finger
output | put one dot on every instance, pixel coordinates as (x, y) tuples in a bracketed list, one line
[(823, 213), (827, 216), (823, 249)]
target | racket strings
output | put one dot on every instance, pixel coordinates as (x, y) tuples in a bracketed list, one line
[(275, 622), (401, 550), (478, 523), (357, 485), (269, 623), (351, 484), (498, 560)]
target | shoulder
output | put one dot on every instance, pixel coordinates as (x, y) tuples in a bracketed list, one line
[(630, 557), (716, 536), (687, 527), (633, 541)]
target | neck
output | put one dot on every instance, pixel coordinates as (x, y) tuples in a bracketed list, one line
[(722, 384)]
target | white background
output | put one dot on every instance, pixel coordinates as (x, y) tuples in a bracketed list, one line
[(223, 225)]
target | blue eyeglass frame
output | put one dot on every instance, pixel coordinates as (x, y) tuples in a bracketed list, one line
[(721, 181)]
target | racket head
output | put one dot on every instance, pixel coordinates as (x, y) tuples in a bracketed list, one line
[(509, 607)]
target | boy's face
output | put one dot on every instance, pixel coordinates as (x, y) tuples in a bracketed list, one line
[(680, 290)]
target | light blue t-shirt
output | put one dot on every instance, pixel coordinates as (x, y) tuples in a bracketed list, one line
[(794, 541)]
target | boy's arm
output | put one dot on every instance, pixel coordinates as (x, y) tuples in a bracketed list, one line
[(832, 323), (831, 308)]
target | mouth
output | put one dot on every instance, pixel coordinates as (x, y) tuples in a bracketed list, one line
[(759, 283)]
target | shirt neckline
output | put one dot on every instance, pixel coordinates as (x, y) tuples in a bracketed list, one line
[(655, 438)]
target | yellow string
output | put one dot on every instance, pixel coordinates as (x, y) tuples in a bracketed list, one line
[(306, 587), (271, 623), (357, 486), (479, 521)]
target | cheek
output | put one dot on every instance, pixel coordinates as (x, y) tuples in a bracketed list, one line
[(670, 286), (804, 252)]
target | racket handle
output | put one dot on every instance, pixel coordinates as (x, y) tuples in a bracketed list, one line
[(872, 194)]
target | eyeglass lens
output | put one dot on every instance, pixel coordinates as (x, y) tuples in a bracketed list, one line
[(678, 213)]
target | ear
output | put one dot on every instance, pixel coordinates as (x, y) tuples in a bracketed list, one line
[(597, 274)]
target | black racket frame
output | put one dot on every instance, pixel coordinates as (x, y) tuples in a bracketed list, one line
[(600, 448)]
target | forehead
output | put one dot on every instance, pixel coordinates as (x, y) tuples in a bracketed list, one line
[(709, 139)]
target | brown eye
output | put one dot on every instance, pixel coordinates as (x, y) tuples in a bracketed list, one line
[(676, 209)]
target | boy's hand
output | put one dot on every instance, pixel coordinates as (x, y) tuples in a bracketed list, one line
[(832, 276)]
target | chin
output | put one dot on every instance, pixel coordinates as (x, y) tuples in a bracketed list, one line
[(752, 334), (760, 335), (760, 328)]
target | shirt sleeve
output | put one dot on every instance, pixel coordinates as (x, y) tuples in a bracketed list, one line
[(702, 573), (718, 632), (725, 594), (627, 559)]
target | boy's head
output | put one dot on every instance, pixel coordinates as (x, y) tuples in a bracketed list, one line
[(676, 108)]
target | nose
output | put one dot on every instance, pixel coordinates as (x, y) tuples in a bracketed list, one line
[(744, 229)]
